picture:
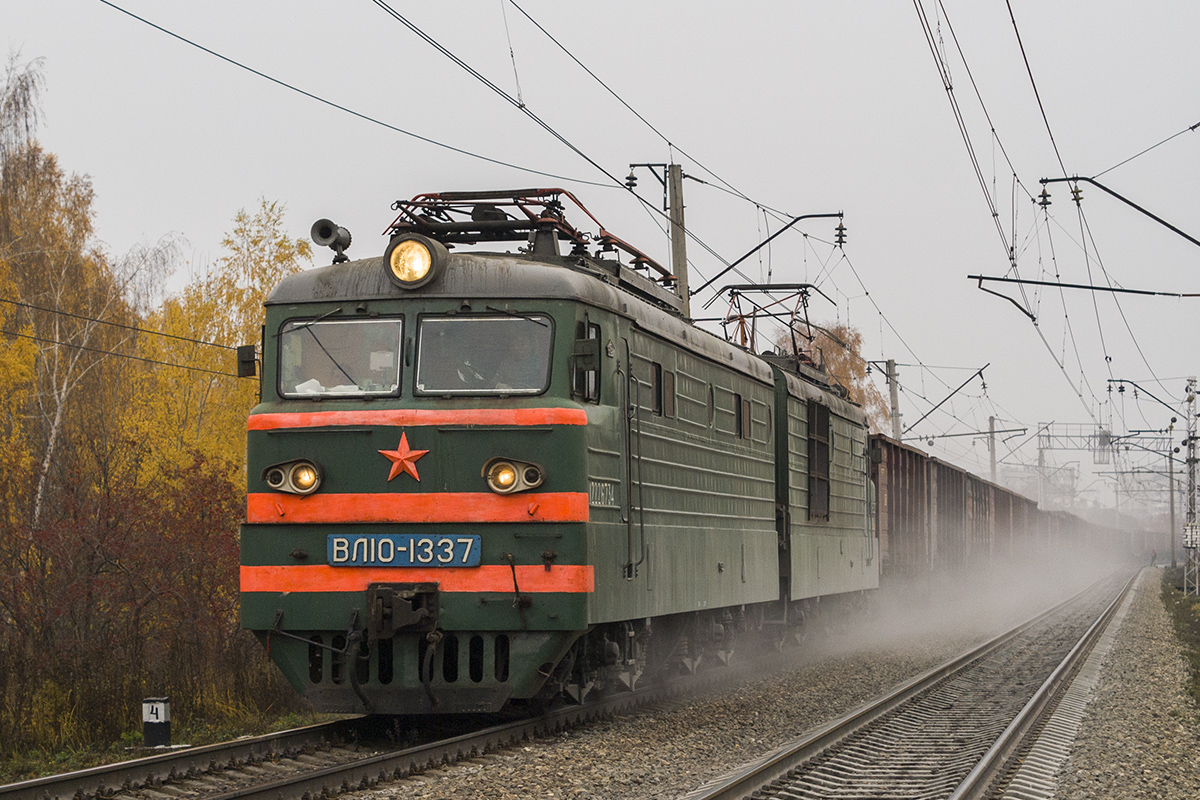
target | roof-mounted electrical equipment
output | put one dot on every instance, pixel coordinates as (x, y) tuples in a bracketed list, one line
[(535, 216)]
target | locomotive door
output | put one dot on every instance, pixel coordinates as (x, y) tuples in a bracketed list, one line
[(631, 477)]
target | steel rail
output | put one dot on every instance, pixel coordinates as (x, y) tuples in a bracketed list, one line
[(189, 761), (374, 770), (368, 772), (148, 772), (1000, 755), (775, 766)]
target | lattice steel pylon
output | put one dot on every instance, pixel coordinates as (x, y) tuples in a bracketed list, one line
[(1191, 531), (1191, 562)]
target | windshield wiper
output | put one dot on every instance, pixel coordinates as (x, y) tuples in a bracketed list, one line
[(337, 310), (308, 325), (519, 315)]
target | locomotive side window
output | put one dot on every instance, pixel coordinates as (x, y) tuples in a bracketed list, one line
[(343, 358), (484, 355), (656, 388), (585, 363)]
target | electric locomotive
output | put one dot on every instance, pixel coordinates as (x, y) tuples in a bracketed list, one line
[(487, 479)]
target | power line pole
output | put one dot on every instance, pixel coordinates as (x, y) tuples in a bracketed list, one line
[(1117, 501), (1171, 493), (671, 179), (1041, 472), (992, 445), (894, 388), (679, 265)]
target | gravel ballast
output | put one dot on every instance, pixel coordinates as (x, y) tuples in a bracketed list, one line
[(1140, 736), (667, 751)]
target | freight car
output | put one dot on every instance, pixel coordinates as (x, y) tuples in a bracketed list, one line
[(483, 479), (937, 520)]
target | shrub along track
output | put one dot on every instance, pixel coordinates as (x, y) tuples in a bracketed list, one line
[(324, 760), (1185, 611)]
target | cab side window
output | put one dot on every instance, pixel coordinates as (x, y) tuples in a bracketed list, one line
[(585, 363)]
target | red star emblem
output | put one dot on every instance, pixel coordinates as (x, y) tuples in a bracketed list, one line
[(403, 459)]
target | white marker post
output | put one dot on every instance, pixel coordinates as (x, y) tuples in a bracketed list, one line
[(156, 721)]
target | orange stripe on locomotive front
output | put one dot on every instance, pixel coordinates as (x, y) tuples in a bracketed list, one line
[(572, 578), (413, 416), (272, 507)]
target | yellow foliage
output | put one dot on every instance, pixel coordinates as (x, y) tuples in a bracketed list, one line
[(188, 410), (16, 380), (52, 716), (258, 254), (838, 347)]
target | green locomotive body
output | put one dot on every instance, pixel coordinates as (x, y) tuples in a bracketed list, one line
[(521, 477)]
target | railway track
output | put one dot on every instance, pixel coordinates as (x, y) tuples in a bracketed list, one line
[(144, 774), (330, 759), (319, 761), (955, 732)]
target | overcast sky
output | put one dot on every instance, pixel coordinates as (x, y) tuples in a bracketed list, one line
[(804, 107)]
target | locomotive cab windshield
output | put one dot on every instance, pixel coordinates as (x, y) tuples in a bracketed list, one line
[(346, 358), (494, 354), (484, 355)]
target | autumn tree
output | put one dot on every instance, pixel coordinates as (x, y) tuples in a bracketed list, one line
[(122, 456), (66, 299), (258, 254), (203, 408), (837, 347)]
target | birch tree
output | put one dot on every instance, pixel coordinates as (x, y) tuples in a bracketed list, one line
[(65, 297)]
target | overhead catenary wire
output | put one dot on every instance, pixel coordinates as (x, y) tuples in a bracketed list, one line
[(613, 181), (1010, 249), (960, 120), (350, 111), (1147, 150), (491, 85), (114, 324), (1037, 95), (524, 108), (1128, 328), (1062, 166), (727, 187), (115, 354), (943, 71), (440, 144)]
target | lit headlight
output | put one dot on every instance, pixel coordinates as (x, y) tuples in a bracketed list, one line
[(413, 260), (305, 478), (294, 477), (502, 477), (505, 476)]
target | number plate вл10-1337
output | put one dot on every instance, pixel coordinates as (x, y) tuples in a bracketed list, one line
[(402, 550)]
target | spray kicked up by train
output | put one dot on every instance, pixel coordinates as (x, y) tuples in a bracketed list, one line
[(487, 479)]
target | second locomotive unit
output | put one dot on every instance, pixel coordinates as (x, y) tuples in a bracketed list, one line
[(486, 479)]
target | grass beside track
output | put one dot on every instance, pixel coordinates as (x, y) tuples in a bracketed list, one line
[(29, 765), (1185, 611)]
